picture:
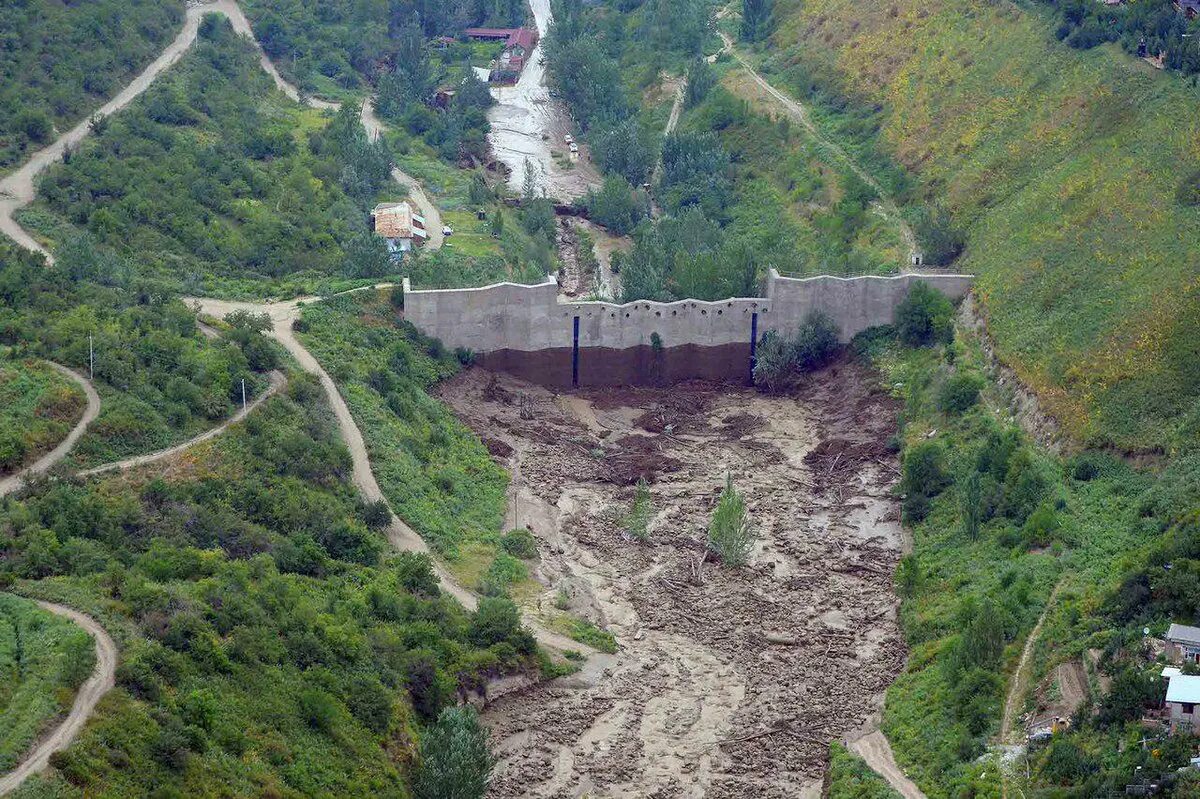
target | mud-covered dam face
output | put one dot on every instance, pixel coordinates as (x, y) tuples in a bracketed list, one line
[(527, 332)]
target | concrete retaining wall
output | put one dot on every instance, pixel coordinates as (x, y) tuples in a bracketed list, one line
[(526, 330)]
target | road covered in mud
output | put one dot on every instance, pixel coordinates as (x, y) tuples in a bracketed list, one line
[(528, 126), (727, 682)]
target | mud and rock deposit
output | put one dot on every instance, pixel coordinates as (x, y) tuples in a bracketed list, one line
[(727, 682)]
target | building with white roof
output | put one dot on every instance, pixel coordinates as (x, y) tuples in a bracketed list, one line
[(1183, 695)]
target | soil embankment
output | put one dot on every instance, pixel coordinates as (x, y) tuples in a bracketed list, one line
[(728, 682)]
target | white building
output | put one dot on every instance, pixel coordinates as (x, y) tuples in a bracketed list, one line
[(1183, 695)]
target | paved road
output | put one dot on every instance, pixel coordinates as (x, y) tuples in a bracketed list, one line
[(886, 206), (90, 693), (877, 752), (18, 189), (278, 381), (13, 482)]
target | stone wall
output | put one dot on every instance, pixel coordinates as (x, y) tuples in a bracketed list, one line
[(527, 331)]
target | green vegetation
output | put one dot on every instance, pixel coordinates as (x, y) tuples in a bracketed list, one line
[(61, 61), (436, 474), (43, 659), (1066, 171), (585, 632), (781, 361), (38, 407), (160, 380), (455, 762), (269, 641), (851, 778), (637, 521), (730, 533), (332, 47), (215, 182)]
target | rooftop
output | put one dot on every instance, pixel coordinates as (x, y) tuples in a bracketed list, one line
[(1182, 633), (397, 221), (1184, 689)]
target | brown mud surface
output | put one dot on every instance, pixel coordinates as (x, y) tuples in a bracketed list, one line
[(727, 682)]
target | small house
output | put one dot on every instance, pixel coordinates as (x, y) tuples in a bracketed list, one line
[(1183, 695), (1183, 643), (399, 226)]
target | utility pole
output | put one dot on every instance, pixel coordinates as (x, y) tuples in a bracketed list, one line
[(91, 360), (243, 394)]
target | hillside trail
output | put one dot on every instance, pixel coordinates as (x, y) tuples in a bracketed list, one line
[(278, 381), (433, 218), (877, 752), (885, 206), (18, 189), (89, 694), (402, 537), (46, 462)]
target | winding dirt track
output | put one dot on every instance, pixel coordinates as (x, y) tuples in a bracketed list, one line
[(19, 188), (90, 693), (278, 381), (400, 535), (13, 482), (797, 111), (877, 752)]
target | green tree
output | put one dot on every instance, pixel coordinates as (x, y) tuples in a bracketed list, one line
[(925, 317), (730, 534), (701, 77), (455, 762), (756, 19), (367, 256)]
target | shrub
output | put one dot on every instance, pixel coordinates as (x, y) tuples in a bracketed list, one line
[(959, 393), (925, 317), (455, 763), (730, 534), (497, 620), (941, 240), (318, 709), (520, 543), (924, 477), (375, 515), (780, 361), (637, 521)]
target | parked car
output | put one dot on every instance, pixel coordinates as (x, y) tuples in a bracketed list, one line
[(574, 147)]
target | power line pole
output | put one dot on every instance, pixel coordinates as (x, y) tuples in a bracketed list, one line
[(91, 360), (243, 394)]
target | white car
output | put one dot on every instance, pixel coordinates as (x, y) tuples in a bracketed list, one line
[(447, 230), (569, 138), (574, 147)]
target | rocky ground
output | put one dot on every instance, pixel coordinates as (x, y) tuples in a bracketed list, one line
[(728, 682)]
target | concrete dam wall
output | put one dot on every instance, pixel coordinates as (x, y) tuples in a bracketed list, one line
[(527, 331)]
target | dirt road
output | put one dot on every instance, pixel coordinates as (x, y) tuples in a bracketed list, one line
[(400, 535), (90, 693), (877, 752), (18, 189), (13, 482), (433, 218), (729, 682), (885, 206), (278, 381)]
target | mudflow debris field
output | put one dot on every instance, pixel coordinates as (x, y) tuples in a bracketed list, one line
[(728, 682)]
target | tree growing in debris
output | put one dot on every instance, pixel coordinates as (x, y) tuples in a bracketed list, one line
[(730, 534), (637, 521)]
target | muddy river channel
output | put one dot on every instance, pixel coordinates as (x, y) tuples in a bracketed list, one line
[(727, 682)]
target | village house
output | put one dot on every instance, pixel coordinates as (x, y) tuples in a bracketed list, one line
[(1183, 643), (399, 226), (518, 45), (1183, 695)]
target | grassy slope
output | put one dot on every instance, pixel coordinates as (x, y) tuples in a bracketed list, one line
[(1063, 165), (851, 778), (33, 653), (38, 407)]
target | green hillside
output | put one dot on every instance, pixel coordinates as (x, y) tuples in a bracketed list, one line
[(1073, 173)]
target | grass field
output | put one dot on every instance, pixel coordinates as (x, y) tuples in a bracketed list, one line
[(43, 659), (38, 407), (1065, 167)]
